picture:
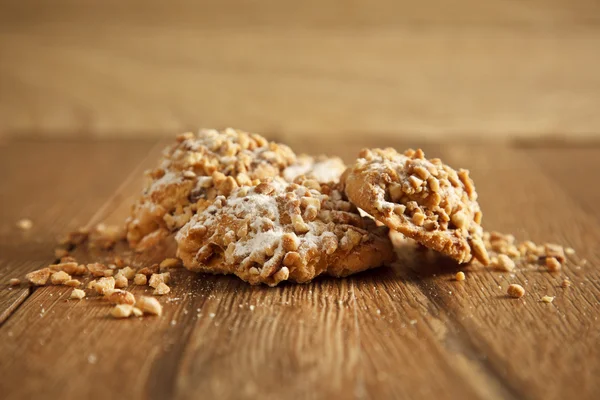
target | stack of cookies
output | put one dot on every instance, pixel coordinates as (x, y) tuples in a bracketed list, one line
[(236, 203)]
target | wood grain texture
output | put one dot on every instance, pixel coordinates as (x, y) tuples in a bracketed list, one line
[(494, 70), (38, 186), (408, 331)]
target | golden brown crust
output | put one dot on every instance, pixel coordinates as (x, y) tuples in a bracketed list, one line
[(423, 199), (279, 231)]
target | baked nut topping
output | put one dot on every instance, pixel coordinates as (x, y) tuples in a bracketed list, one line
[(323, 169), (277, 231), (195, 170), (423, 199)]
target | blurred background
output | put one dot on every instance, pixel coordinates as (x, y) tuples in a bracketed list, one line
[(437, 69)]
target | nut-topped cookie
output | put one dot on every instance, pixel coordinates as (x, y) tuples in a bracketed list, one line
[(277, 231), (425, 200), (195, 170)]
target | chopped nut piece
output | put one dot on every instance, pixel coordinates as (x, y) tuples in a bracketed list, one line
[(14, 282), (548, 299), (128, 272), (552, 264), (515, 290), (157, 279), (103, 285), (137, 312), (91, 284), (39, 277), (565, 283), (72, 283), (71, 268), (505, 263), (121, 311), (555, 250), (460, 276), (97, 269), (161, 289), (121, 281), (24, 224), (153, 269), (60, 277), (77, 294), (109, 272), (569, 251), (120, 297), (170, 263), (149, 305), (140, 279)]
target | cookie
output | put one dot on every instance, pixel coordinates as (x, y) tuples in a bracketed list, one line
[(193, 172), (279, 231), (321, 168), (425, 200)]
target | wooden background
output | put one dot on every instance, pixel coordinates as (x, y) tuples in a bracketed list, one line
[(494, 69)]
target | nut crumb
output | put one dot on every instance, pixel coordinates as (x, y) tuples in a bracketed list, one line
[(39, 277), (25, 224), (161, 289), (570, 251), (77, 294), (120, 297), (460, 276), (127, 272), (72, 283), (504, 263), (552, 264), (149, 305), (121, 281), (515, 290), (566, 283), (60, 277), (157, 279), (60, 252), (121, 311), (103, 285), (14, 282), (169, 263), (548, 299), (140, 279)]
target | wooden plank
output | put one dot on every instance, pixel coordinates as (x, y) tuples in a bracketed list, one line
[(539, 350), (435, 70), (59, 186)]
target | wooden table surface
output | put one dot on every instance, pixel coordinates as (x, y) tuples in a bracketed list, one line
[(405, 332)]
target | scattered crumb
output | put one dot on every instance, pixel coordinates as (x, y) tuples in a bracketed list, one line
[(120, 297), (77, 294), (552, 264), (169, 263), (515, 290), (121, 311), (103, 285), (72, 283), (460, 276), (153, 269), (252, 307), (127, 272), (555, 251), (161, 289), (140, 279), (25, 224), (92, 359), (60, 277), (212, 314), (70, 267), (149, 305), (565, 283), (157, 279), (504, 263), (97, 269), (121, 281), (39, 277), (570, 251), (14, 282), (548, 299)]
